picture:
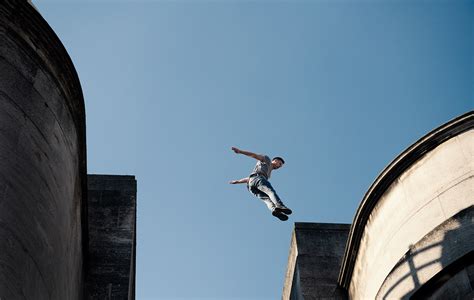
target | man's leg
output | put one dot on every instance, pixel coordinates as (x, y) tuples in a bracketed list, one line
[(262, 196), (271, 206), (265, 187)]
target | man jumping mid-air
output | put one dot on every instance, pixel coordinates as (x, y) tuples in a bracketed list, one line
[(258, 184)]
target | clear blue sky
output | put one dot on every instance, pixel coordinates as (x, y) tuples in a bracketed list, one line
[(337, 88)]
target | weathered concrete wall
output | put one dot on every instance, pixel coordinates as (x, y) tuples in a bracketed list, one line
[(314, 261), (112, 237), (42, 161), (455, 281), (441, 248), (429, 191)]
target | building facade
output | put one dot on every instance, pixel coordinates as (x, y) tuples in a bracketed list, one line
[(411, 237), (44, 205)]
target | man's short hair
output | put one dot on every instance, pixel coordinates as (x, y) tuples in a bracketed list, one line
[(279, 158)]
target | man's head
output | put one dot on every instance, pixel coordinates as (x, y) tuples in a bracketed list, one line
[(277, 162)]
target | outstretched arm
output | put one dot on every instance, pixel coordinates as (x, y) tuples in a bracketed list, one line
[(243, 180), (248, 153)]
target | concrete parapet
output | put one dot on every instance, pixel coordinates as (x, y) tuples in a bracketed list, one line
[(112, 237), (314, 261)]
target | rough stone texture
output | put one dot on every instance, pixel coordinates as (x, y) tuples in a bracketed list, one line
[(315, 258), (42, 161), (446, 244), (112, 237)]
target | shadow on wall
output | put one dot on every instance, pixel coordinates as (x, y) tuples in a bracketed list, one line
[(440, 266)]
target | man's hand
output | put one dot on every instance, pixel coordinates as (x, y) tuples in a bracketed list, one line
[(236, 150), (248, 153), (243, 180)]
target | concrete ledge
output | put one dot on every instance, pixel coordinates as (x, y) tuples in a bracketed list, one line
[(112, 240), (314, 260), (321, 226)]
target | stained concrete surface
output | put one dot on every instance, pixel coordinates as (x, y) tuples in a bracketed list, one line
[(314, 261), (446, 244), (42, 161), (112, 237), (53, 245)]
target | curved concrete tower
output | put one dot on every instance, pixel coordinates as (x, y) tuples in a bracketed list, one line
[(43, 223), (412, 236)]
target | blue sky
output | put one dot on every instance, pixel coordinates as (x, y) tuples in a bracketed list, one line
[(337, 88)]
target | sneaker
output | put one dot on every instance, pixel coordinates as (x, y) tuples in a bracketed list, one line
[(279, 215), (283, 209)]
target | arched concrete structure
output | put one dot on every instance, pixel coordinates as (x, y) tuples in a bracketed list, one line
[(447, 251), (407, 227), (43, 222)]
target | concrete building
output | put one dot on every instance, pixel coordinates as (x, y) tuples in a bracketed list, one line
[(112, 237), (412, 235), (53, 242), (315, 258)]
